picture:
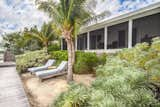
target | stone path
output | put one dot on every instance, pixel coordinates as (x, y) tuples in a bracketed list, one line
[(12, 93)]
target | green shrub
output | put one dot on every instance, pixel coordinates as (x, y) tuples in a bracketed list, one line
[(136, 55), (145, 57), (123, 85), (75, 97), (128, 79), (31, 59), (156, 44), (102, 58), (85, 61), (118, 84), (59, 56), (54, 47)]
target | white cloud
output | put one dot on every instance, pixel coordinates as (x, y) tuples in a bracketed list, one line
[(110, 5), (17, 14), (117, 7), (130, 5)]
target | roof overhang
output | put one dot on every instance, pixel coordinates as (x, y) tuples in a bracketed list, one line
[(149, 10)]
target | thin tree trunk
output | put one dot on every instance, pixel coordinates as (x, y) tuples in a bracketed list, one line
[(46, 46), (73, 53), (70, 64)]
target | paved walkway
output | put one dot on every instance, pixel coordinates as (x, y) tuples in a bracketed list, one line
[(11, 89)]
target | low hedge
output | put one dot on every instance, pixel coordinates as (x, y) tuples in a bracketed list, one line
[(59, 56), (85, 61), (31, 59), (54, 47)]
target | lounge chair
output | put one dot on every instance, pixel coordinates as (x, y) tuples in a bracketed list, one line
[(45, 67), (60, 70)]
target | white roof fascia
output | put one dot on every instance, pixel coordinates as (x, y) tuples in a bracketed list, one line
[(149, 10)]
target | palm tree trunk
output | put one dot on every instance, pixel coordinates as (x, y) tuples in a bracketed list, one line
[(73, 53), (70, 61), (46, 46)]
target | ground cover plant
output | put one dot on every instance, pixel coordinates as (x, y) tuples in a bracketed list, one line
[(145, 56), (129, 79)]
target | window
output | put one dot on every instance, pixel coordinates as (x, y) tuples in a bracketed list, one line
[(118, 36), (82, 41), (97, 39), (64, 44), (146, 28)]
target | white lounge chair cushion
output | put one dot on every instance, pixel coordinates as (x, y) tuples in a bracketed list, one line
[(49, 63), (37, 68), (46, 73), (62, 66)]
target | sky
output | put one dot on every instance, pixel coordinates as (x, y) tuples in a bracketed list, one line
[(17, 14)]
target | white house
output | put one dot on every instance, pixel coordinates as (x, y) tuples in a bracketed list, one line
[(119, 32)]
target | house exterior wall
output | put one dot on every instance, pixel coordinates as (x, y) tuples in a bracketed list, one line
[(141, 20)]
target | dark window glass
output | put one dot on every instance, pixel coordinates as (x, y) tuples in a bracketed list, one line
[(64, 47), (82, 42), (146, 28), (118, 36), (97, 39)]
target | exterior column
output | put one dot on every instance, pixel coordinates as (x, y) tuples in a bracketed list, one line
[(130, 25), (88, 41), (105, 37)]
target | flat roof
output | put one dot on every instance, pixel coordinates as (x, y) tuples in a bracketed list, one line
[(130, 15)]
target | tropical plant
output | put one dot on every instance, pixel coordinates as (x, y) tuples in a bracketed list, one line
[(145, 57), (45, 36), (118, 84), (68, 16), (85, 61), (18, 44), (15, 42), (54, 47), (75, 97), (129, 79), (31, 59)]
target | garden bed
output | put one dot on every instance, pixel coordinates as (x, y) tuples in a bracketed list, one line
[(42, 94)]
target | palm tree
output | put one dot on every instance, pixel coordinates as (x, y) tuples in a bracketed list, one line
[(45, 36), (68, 16)]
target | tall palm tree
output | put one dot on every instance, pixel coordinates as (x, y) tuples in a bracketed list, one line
[(45, 36), (68, 15)]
